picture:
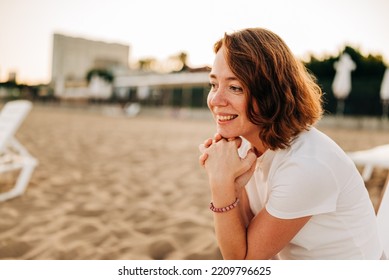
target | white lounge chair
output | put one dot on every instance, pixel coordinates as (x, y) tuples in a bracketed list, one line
[(13, 156), (377, 157)]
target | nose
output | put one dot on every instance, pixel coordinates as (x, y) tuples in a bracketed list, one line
[(217, 98)]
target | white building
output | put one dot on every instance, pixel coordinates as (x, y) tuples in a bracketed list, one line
[(74, 57)]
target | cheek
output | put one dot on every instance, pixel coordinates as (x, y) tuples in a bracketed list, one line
[(243, 106), (252, 105)]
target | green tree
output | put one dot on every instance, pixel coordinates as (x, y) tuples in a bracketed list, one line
[(366, 81)]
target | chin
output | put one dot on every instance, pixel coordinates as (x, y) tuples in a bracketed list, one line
[(227, 134)]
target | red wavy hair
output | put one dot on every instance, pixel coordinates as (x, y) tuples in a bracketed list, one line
[(283, 97)]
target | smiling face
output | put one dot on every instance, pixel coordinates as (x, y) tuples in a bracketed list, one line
[(227, 101)]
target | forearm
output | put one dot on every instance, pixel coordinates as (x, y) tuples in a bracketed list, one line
[(230, 227), (231, 234), (228, 173)]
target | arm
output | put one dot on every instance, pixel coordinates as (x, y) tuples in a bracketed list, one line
[(265, 235), (268, 235)]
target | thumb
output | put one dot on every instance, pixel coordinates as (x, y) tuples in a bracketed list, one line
[(250, 159), (248, 168)]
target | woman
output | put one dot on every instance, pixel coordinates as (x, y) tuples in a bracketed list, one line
[(279, 187)]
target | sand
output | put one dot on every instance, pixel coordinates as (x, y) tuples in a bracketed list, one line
[(113, 187)]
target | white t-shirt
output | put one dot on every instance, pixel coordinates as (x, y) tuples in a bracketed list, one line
[(314, 177)]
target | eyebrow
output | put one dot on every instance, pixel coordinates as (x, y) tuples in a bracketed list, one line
[(232, 78)]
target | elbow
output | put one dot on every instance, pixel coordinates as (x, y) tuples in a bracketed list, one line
[(235, 256)]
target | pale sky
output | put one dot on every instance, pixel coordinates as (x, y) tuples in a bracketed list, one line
[(161, 28)]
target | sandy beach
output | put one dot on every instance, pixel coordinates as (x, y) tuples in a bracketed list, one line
[(114, 187)]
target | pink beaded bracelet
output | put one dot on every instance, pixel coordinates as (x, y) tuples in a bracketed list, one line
[(224, 209)]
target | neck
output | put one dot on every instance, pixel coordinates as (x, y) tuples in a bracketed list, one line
[(258, 146)]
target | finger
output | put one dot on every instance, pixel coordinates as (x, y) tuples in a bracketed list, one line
[(208, 142), (202, 159), (238, 142), (217, 138), (202, 148), (253, 166), (250, 159)]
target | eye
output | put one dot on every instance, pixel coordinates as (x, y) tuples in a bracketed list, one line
[(236, 89), (212, 86)]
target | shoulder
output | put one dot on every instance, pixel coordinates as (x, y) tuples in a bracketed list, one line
[(308, 164), (302, 179), (311, 149)]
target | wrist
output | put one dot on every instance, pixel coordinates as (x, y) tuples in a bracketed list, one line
[(225, 208), (221, 182), (222, 193)]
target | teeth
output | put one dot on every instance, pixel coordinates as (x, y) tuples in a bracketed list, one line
[(226, 118)]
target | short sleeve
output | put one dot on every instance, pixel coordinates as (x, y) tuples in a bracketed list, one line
[(302, 187)]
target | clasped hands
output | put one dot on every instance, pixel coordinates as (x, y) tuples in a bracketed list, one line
[(220, 158)]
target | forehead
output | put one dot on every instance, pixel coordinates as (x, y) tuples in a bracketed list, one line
[(220, 68)]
